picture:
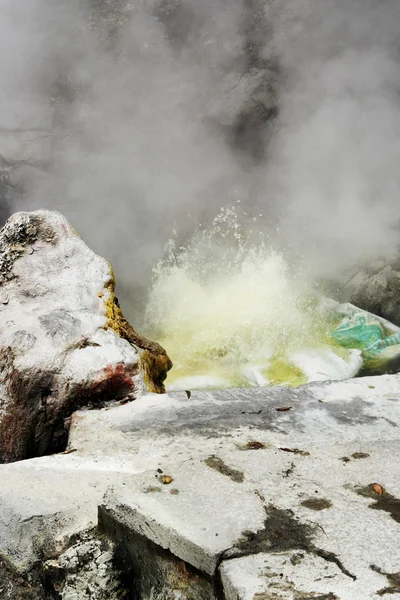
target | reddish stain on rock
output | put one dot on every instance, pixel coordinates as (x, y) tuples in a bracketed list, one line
[(116, 382), (37, 418)]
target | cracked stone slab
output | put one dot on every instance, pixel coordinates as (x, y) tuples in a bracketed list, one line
[(314, 460), (43, 502), (314, 503), (241, 478), (296, 575), (202, 518)]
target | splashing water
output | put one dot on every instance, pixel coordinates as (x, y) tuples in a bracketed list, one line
[(228, 311)]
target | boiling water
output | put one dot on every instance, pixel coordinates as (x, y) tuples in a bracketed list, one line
[(229, 312)]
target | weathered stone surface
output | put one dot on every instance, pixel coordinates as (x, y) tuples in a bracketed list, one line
[(46, 501), (61, 335), (193, 484), (375, 288), (158, 574), (85, 570), (295, 575), (336, 440), (197, 524), (304, 473)]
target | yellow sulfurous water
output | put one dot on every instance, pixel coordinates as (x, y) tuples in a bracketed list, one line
[(229, 313)]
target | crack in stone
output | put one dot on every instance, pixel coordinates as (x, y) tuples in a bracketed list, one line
[(331, 557), (282, 532)]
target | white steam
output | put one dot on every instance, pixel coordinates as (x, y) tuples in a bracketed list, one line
[(151, 109), (335, 157), (222, 317)]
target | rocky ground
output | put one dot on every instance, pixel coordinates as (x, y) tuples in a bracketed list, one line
[(239, 494), (114, 491)]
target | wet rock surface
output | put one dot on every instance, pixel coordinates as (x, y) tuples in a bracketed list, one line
[(62, 336)]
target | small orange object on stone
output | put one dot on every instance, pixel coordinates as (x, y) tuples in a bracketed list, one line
[(166, 479), (378, 488)]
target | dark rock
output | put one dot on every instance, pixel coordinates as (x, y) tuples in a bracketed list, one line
[(375, 288)]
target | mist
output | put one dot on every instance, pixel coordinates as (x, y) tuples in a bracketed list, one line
[(140, 120), (337, 147)]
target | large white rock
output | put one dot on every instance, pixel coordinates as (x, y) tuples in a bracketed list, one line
[(58, 350)]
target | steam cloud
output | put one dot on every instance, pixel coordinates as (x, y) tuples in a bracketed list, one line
[(161, 112)]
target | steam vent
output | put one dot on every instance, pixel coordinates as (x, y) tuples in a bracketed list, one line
[(212, 410)]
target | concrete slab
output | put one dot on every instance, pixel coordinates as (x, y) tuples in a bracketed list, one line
[(335, 442), (277, 490)]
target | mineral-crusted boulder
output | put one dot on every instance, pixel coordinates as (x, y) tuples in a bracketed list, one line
[(375, 288), (64, 341)]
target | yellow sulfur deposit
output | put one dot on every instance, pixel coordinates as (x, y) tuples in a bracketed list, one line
[(154, 361), (230, 312)]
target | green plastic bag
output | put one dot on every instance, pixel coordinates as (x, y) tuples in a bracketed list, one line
[(359, 330), (365, 332)]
